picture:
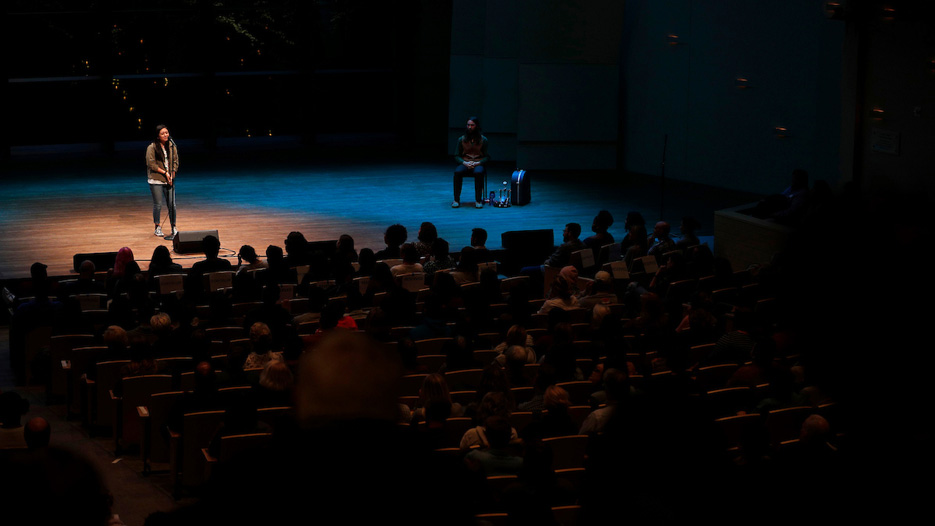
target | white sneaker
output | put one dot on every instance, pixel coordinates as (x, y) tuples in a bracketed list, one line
[(175, 231), (158, 232), (455, 204), (478, 204)]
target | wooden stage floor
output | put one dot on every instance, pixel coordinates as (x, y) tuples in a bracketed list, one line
[(55, 209)]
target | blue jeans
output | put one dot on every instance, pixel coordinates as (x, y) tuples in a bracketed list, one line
[(161, 191), (477, 173)]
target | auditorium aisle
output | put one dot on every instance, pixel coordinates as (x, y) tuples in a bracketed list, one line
[(135, 496)]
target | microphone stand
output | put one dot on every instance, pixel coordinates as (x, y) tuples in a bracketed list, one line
[(171, 184)]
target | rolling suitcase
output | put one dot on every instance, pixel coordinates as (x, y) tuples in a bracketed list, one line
[(520, 193)]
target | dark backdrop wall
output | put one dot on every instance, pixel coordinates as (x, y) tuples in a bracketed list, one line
[(542, 75), (722, 130), (599, 84), (97, 72)]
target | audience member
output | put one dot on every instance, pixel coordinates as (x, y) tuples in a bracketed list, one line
[(439, 260), (211, 263), (344, 250), (410, 255), (659, 242), (37, 433), (466, 271), (495, 457), (570, 243), (426, 236), (247, 260), (617, 389), (85, 284), (601, 223), (688, 227), (394, 237), (37, 313)]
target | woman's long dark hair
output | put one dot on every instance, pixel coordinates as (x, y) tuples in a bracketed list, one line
[(471, 136), (156, 144), (161, 258)]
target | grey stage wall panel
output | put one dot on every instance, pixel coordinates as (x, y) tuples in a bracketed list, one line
[(468, 18), (466, 89), (501, 94), (654, 94), (567, 156), (719, 134), (549, 73), (502, 34), (571, 31), (568, 102)]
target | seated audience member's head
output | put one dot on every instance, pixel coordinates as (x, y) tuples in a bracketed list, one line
[(205, 378), (434, 387), (560, 289), (87, 269), (37, 432), (815, 430), (274, 255), (556, 398), (211, 246), (427, 233), (409, 253), (516, 359), (516, 335), (602, 221), (395, 235), (276, 376), (40, 278), (161, 324), (248, 254), (345, 244), (115, 338), (478, 237), (598, 314), (634, 219), (367, 259), (296, 244), (261, 337), (124, 256), (570, 274), (603, 282)]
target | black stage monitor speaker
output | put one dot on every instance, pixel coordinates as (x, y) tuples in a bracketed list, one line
[(190, 241), (101, 260)]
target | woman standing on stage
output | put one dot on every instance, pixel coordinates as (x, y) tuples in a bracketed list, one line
[(162, 163)]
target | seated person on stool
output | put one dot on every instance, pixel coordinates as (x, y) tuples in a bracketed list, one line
[(472, 154)]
